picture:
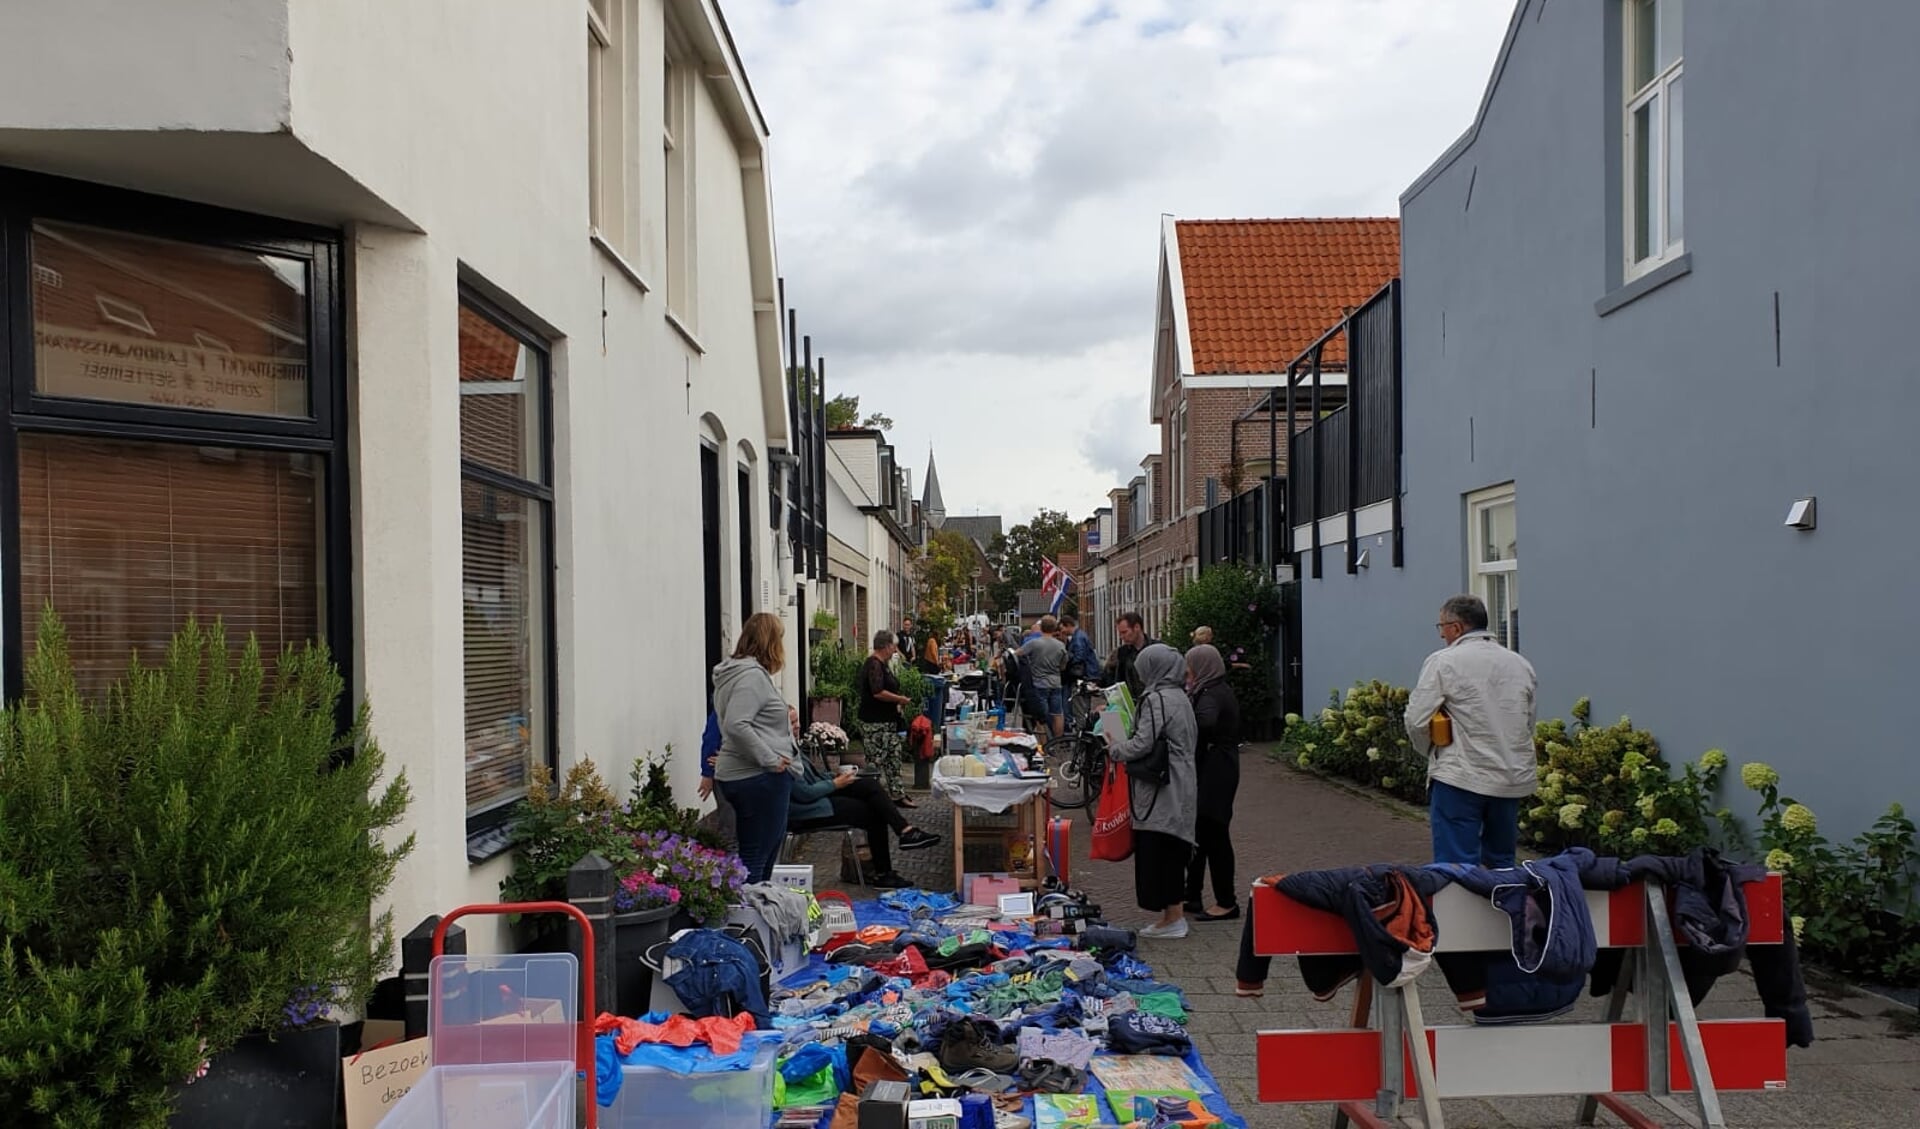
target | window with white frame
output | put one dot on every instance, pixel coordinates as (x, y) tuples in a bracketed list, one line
[(611, 97), (1655, 200), (1494, 566), (677, 140)]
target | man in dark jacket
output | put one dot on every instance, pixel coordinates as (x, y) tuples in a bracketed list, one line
[(1131, 630)]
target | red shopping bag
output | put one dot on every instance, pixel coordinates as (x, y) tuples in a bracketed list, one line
[(1113, 817)]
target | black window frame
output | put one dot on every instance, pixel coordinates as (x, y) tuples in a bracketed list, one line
[(27, 197), (487, 829)]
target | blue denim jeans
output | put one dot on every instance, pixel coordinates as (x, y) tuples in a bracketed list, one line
[(760, 813), (1470, 828), (1054, 698)]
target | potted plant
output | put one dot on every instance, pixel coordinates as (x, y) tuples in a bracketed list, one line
[(826, 741), (825, 623), (289, 1079), (186, 858)]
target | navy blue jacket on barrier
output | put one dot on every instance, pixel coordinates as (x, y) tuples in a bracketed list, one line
[(1554, 948)]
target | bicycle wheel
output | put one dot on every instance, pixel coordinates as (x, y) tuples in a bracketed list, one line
[(1073, 774)]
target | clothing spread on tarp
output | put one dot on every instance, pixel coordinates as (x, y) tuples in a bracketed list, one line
[(1553, 950), (919, 972)]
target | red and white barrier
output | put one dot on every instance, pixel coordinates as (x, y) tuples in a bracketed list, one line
[(1353, 1066)]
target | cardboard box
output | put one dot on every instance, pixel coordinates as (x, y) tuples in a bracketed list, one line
[(933, 1113), (376, 1079), (884, 1106)]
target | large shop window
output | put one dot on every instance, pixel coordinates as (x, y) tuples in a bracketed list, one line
[(506, 553), (172, 438)]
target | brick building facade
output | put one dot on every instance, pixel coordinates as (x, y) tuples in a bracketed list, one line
[(1238, 301)]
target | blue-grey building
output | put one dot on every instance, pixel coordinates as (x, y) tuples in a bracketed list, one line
[(1665, 288)]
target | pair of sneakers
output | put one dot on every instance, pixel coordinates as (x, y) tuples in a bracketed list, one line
[(914, 839)]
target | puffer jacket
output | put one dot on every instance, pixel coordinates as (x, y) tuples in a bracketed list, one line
[(1546, 903)]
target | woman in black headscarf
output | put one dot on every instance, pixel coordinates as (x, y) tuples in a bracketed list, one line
[(1218, 715)]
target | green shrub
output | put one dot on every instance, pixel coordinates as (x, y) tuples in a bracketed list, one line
[(1610, 789), (1855, 906), (179, 862), (836, 674), (1243, 609), (915, 686)]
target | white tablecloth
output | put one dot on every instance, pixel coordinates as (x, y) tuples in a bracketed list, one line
[(989, 793)]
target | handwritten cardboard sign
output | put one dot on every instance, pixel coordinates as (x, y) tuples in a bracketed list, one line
[(378, 1078)]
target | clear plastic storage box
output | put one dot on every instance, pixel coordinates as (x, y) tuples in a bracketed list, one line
[(534, 1095), (738, 1099), (505, 1034)]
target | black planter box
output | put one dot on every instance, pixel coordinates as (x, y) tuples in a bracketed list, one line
[(291, 1082), (634, 934)]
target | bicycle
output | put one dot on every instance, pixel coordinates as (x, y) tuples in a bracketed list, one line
[(1077, 760)]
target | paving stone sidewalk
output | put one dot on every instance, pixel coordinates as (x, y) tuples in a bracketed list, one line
[(1863, 1070)]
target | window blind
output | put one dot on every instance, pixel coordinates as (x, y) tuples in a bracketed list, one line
[(128, 539), (504, 568)]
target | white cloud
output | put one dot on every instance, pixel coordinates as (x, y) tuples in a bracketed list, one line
[(968, 192)]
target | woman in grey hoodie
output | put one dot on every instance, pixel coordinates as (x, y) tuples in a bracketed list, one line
[(757, 753), (1163, 810)]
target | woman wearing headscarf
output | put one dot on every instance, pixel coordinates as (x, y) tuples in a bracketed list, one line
[(1217, 714), (1161, 775)]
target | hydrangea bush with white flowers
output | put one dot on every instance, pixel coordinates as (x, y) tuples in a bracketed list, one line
[(1855, 906), (1363, 737), (1610, 789)]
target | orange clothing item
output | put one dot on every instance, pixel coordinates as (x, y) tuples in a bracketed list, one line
[(723, 1035), (1405, 916)]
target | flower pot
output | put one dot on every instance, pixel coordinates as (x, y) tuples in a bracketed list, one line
[(291, 1081), (825, 709), (635, 933)]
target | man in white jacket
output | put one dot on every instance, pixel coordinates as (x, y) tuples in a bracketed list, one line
[(1477, 781)]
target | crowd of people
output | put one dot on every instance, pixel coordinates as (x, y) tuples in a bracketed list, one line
[(1182, 759)]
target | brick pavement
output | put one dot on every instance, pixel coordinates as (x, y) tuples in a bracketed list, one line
[(1864, 1070)]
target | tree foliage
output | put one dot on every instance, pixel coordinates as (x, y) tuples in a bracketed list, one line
[(177, 862), (1015, 555), (843, 411), (1243, 608), (945, 571)]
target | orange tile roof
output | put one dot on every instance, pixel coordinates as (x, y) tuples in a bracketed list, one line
[(1260, 291)]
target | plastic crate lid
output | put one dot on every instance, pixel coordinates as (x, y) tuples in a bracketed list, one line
[(504, 1008)]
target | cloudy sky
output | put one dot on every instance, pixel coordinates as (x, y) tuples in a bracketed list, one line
[(968, 193)]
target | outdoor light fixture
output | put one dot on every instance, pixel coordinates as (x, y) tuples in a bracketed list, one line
[(1364, 559), (1801, 514)]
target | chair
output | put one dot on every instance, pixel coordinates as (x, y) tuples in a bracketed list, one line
[(846, 830)]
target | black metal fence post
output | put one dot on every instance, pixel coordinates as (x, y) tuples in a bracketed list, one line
[(416, 955), (590, 890)]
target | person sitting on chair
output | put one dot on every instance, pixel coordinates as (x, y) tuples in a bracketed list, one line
[(849, 798)]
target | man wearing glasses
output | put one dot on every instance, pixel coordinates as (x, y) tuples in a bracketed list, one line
[(1478, 774)]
